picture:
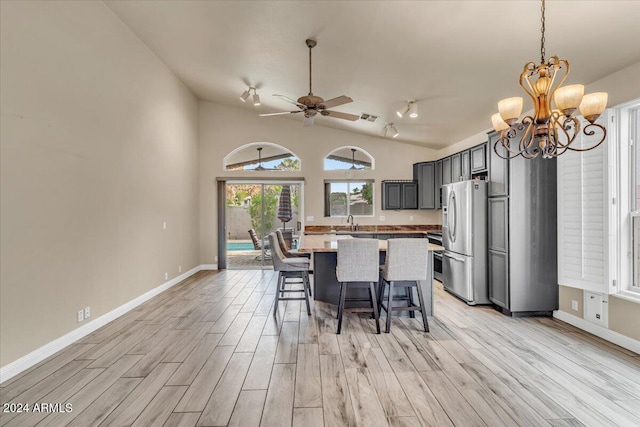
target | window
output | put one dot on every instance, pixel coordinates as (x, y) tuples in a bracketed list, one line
[(633, 132), (344, 198), (348, 158), (261, 156)]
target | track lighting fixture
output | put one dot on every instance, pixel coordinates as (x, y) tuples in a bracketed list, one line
[(411, 108), (246, 93), (390, 129)]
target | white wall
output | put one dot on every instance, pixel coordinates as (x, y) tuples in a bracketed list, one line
[(99, 147), (222, 129)]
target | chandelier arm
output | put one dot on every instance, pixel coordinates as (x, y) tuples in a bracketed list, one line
[(502, 142), (529, 67), (557, 65), (590, 133), (566, 127)]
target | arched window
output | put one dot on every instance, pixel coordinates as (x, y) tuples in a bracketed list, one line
[(353, 158), (261, 156)]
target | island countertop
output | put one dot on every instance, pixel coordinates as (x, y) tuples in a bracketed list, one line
[(329, 243)]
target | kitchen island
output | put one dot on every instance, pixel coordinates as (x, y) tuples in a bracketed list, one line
[(325, 258)]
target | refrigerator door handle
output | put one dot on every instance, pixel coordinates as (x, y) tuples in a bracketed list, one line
[(453, 211), (453, 258)]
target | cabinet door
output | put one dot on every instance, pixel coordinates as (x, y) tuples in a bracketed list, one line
[(465, 165), (446, 171), (426, 191), (498, 170), (410, 194), (392, 195), (437, 184), (499, 278), (456, 167), (478, 158), (499, 224)]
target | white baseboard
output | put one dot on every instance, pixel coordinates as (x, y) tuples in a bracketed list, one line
[(599, 331), (14, 368)]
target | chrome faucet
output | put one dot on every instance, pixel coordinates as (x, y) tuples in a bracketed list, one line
[(350, 222)]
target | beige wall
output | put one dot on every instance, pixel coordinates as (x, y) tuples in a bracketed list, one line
[(223, 129), (566, 295), (624, 317), (99, 147)]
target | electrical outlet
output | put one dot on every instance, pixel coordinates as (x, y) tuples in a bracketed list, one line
[(574, 305), (179, 269), (216, 258), (164, 225), (410, 217), (87, 312), (310, 219), (80, 315), (382, 218), (166, 276)]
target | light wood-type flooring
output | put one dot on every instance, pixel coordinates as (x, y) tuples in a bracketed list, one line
[(209, 352)]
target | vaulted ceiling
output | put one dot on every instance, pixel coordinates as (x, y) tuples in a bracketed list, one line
[(457, 58)]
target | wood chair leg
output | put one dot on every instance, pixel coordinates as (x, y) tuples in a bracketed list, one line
[(343, 292), (423, 310), (374, 305), (389, 307)]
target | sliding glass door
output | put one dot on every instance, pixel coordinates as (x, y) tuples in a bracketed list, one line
[(252, 211)]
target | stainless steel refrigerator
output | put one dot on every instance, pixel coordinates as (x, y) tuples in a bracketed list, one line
[(464, 237)]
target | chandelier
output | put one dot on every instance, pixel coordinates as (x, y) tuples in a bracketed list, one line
[(550, 131)]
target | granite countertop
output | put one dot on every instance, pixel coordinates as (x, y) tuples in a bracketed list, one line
[(371, 229), (329, 243)]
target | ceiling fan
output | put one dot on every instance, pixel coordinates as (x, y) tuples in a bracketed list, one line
[(260, 167), (311, 105)]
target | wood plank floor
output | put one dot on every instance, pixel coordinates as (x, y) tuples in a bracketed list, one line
[(209, 352)]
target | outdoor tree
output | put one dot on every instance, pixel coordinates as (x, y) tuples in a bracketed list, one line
[(367, 192), (270, 206)]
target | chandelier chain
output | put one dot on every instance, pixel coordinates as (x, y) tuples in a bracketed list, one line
[(542, 28)]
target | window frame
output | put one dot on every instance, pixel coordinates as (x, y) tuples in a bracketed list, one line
[(327, 193)]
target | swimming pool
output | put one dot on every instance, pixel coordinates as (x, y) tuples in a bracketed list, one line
[(240, 246)]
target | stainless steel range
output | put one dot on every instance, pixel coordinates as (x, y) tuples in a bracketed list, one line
[(435, 237)]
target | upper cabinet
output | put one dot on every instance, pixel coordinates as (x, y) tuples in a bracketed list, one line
[(431, 176), (424, 174), (398, 195), (498, 171)]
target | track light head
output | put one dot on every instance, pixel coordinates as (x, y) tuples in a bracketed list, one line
[(256, 99), (244, 96), (394, 131), (413, 109), (400, 113)]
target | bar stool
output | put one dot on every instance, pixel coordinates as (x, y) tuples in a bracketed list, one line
[(291, 254), (358, 268), (405, 264), (289, 268)]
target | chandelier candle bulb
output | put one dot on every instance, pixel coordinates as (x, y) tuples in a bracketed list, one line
[(568, 98), (592, 105), (510, 109)]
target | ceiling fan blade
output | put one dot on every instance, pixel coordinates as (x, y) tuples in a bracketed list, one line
[(340, 100), (339, 115), (280, 113), (308, 121), (293, 101)]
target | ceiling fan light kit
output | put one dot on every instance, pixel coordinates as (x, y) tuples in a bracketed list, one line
[(550, 131), (310, 105)]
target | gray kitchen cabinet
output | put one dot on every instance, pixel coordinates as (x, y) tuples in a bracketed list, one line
[(465, 165), (499, 224), (456, 167), (499, 278), (446, 171), (498, 171), (438, 184), (398, 195), (478, 158), (424, 174)]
